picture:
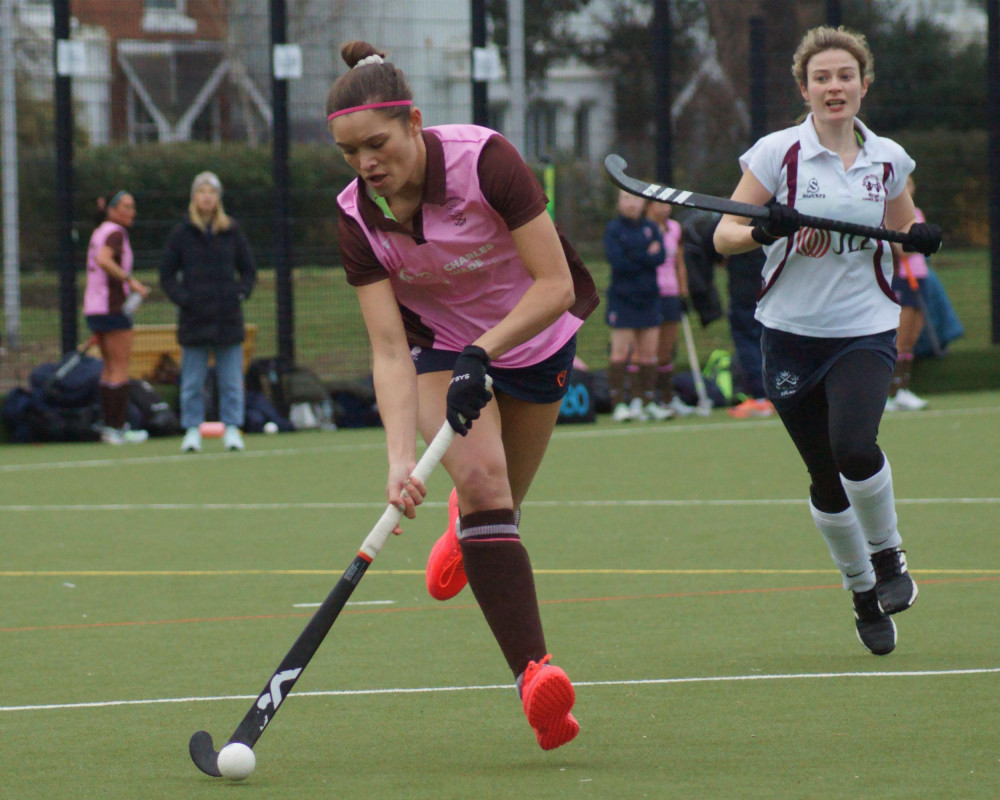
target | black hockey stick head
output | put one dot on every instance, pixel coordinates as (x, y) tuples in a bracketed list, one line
[(204, 755)]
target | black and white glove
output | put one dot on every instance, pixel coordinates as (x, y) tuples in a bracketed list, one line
[(925, 238), (781, 221), (467, 392)]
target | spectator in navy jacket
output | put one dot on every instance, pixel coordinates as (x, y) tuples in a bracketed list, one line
[(634, 249)]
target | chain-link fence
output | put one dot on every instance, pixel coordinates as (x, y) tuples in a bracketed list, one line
[(163, 89)]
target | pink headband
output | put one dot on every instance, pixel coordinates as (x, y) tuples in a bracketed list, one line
[(368, 106)]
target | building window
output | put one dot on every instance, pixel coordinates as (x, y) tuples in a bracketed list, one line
[(167, 16), (540, 139), (496, 117), (180, 6), (141, 125), (581, 131)]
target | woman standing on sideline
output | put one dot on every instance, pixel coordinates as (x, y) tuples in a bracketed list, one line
[(208, 271), (109, 283), (461, 273), (911, 322), (634, 249), (829, 315), (671, 278)]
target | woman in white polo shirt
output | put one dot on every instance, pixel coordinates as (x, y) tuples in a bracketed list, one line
[(829, 313)]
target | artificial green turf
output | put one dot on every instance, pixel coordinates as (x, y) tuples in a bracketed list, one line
[(682, 584)]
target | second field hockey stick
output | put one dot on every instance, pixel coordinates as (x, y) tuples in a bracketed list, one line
[(203, 751), (615, 165), (704, 407), (922, 305), (130, 307)]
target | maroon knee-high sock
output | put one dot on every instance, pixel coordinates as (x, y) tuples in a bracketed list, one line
[(114, 404), (500, 576)]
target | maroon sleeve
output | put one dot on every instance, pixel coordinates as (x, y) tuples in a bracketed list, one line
[(360, 264), (116, 241), (508, 184)]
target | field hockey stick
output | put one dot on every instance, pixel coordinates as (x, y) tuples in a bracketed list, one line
[(129, 308), (922, 305), (704, 407), (615, 166), (203, 751)]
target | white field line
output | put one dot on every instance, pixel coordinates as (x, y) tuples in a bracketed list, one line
[(508, 687), (189, 459), (350, 603), (341, 506), (562, 432)]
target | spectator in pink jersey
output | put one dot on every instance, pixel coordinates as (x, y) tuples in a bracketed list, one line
[(109, 283), (460, 274), (911, 320), (671, 277)]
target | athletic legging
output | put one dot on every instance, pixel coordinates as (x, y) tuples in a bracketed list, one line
[(835, 426)]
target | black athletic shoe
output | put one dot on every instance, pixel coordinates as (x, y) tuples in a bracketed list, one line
[(876, 630), (896, 589)]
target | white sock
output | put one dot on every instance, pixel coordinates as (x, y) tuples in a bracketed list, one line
[(874, 502), (846, 541)]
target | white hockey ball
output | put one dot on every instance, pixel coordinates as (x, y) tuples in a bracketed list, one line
[(236, 761)]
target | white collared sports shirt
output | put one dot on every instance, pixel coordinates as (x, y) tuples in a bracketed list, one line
[(821, 283)]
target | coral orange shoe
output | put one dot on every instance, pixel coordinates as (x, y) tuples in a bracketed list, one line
[(548, 696), (752, 408), (445, 571)]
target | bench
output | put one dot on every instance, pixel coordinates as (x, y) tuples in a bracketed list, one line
[(151, 342)]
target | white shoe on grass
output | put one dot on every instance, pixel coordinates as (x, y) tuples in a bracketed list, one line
[(680, 408), (659, 411), (622, 413), (636, 410), (908, 401), (233, 439), (192, 441), (123, 436)]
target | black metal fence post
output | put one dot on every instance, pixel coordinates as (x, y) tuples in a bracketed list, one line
[(282, 205), (64, 179), (758, 78), (663, 106), (993, 101), (480, 95)]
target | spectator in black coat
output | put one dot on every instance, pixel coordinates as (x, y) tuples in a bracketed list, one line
[(208, 271)]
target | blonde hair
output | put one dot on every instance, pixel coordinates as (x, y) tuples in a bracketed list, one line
[(218, 219), (818, 40)]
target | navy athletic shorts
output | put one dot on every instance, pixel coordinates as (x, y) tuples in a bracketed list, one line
[(794, 364), (670, 308), (905, 296), (103, 323), (544, 382), (621, 313)]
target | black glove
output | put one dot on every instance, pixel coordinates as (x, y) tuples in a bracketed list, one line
[(781, 221), (924, 238), (467, 392), (685, 304)]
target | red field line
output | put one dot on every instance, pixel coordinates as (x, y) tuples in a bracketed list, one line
[(453, 607)]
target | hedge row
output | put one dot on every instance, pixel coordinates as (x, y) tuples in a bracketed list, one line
[(951, 176), (160, 178)]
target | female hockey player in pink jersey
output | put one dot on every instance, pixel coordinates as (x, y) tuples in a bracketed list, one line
[(461, 273)]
